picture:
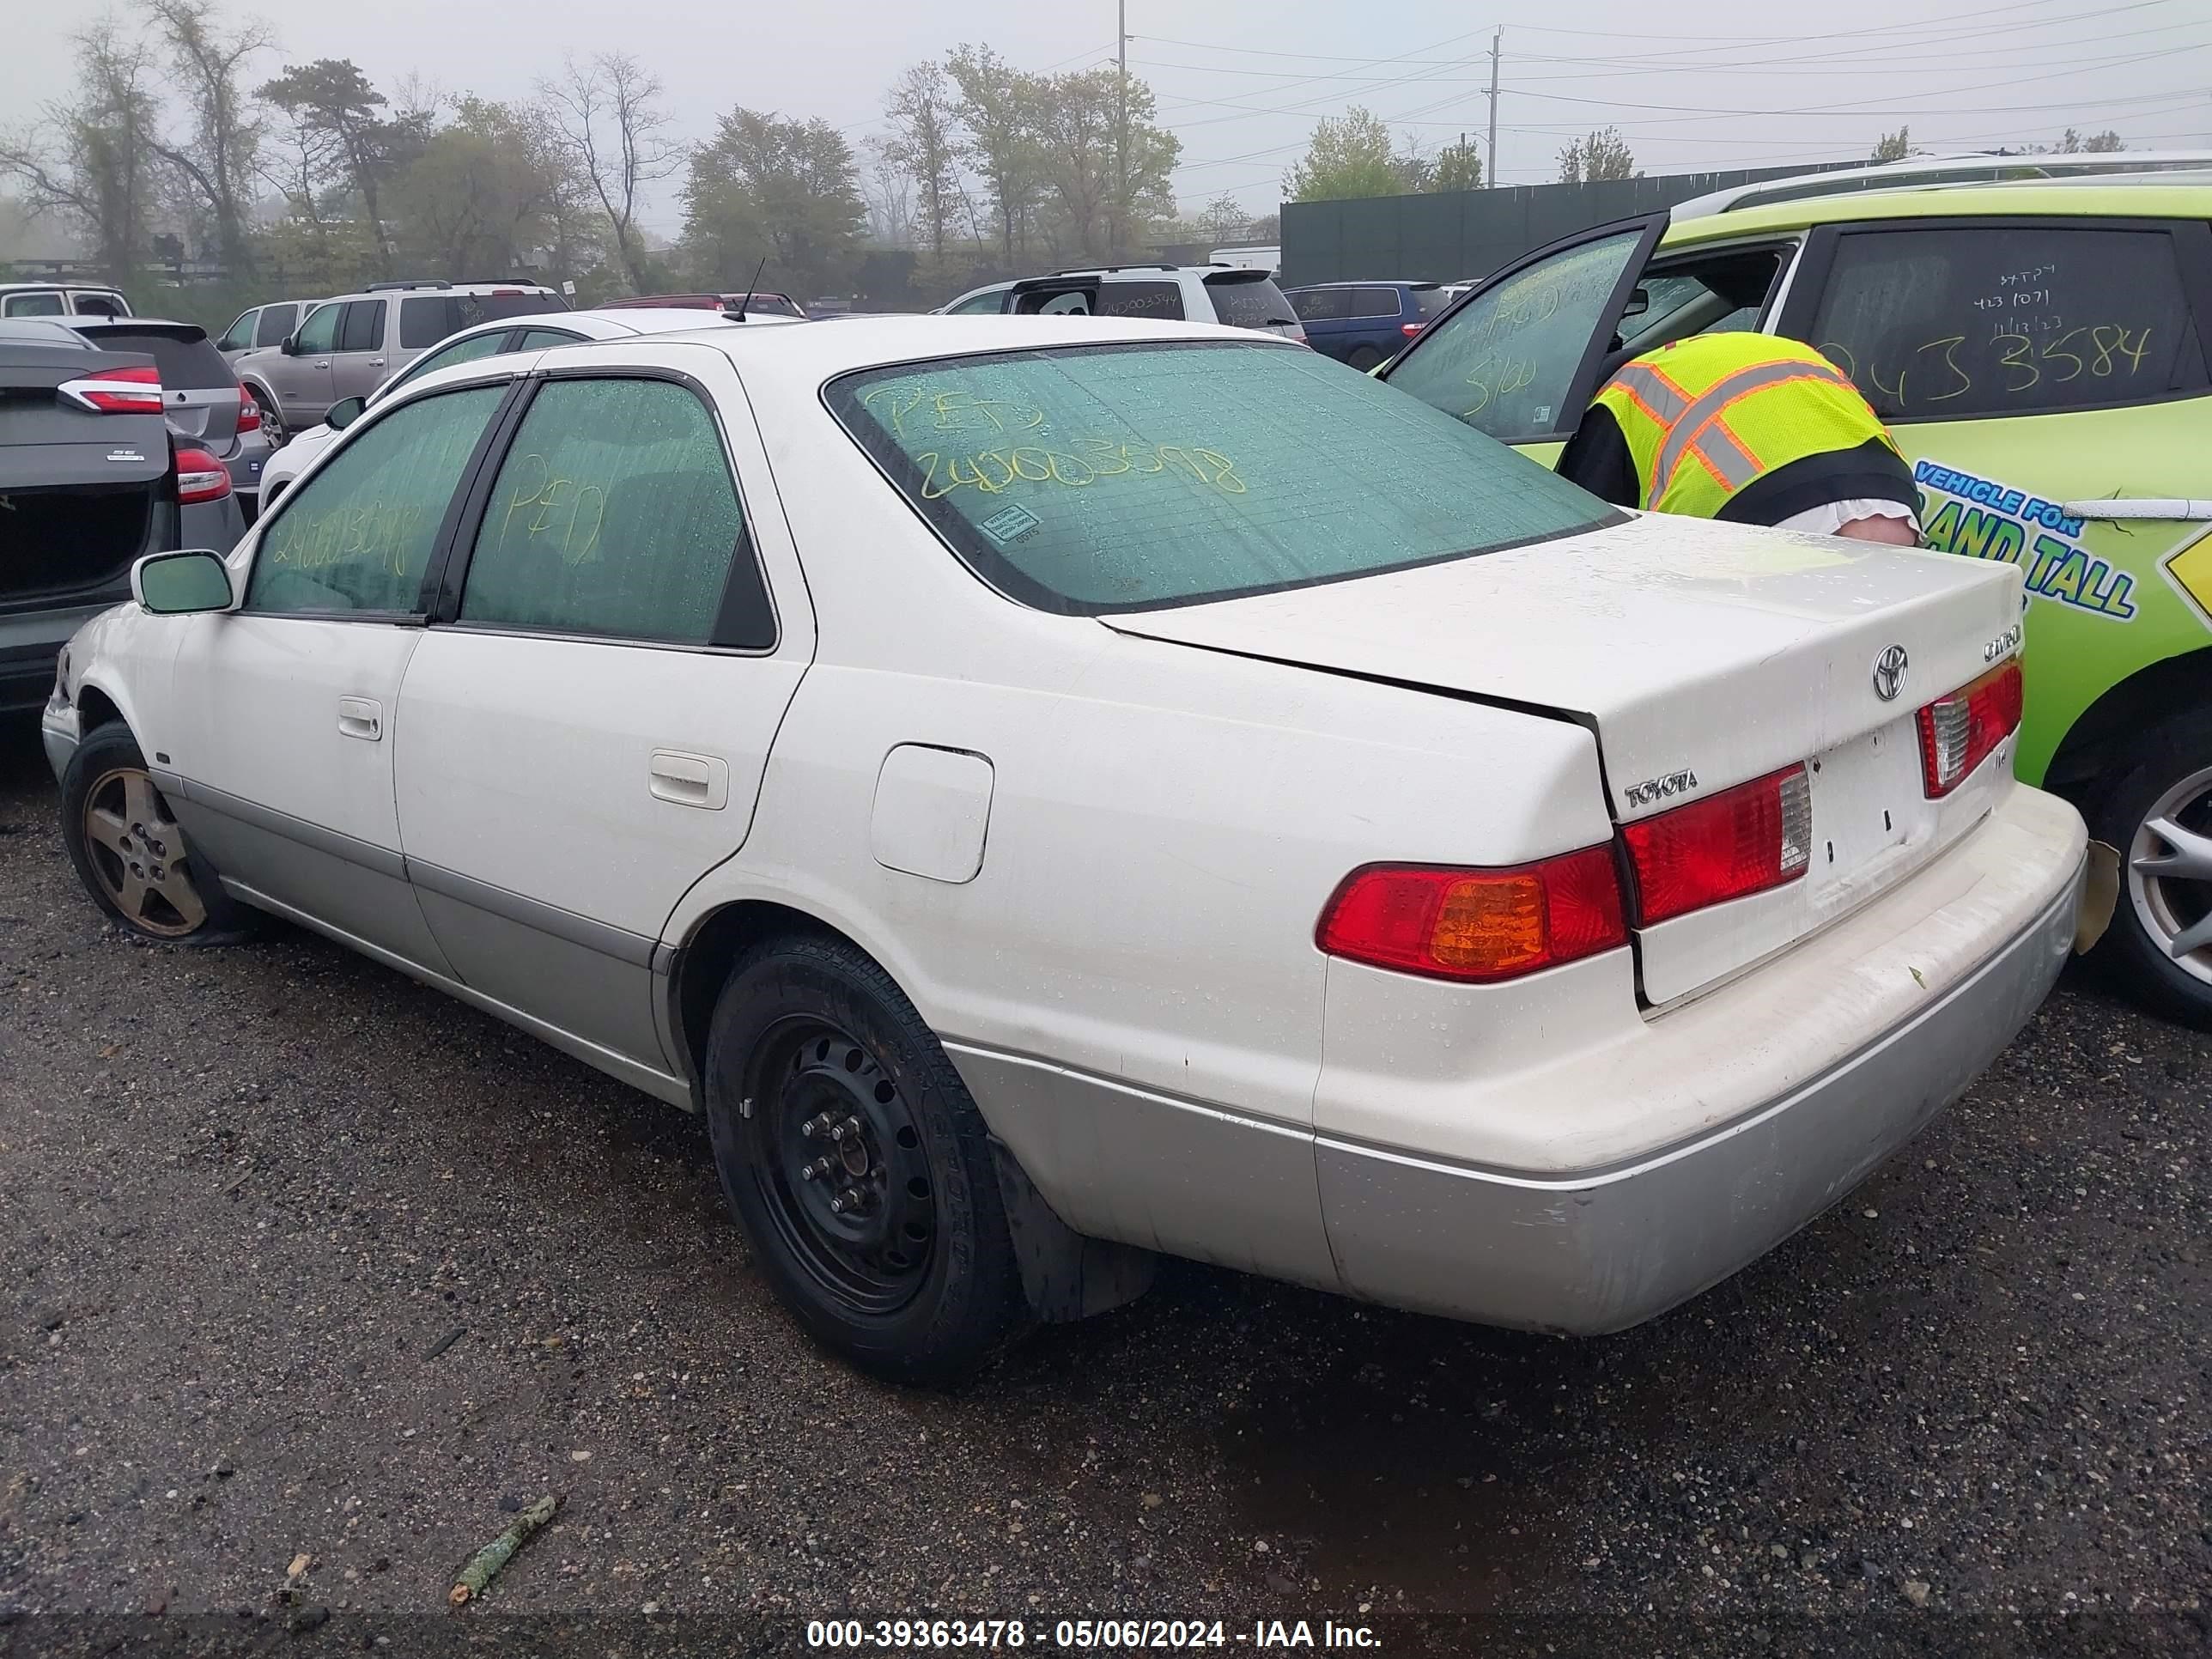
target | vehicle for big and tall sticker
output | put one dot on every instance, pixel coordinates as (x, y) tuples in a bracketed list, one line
[(1030, 789), (2038, 349)]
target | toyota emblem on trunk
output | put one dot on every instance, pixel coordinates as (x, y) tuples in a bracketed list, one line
[(1889, 669)]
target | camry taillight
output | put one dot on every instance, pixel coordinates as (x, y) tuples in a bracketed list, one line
[(200, 476), (118, 390), (1958, 733), (249, 412), (1455, 923), (1743, 841)]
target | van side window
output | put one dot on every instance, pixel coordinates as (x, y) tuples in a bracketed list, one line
[(1947, 323)]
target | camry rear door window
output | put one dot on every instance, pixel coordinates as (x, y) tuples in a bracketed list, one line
[(613, 514)]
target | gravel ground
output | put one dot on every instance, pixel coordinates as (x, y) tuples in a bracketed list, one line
[(301, 1263)]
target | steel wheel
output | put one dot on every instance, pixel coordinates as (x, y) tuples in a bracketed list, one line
[(2170, 874), (137, 854), (838, 1157)]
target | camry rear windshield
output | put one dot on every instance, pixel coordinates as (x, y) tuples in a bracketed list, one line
[(1091, 479)]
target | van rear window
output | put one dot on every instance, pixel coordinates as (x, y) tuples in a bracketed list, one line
[(188, 363), (1243, 301), (425, 319), (1092, 479)]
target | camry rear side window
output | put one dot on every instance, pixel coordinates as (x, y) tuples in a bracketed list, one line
[(1091, 479)]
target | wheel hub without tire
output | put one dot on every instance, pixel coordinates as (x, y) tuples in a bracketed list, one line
[(137, 854), (2170, 874), (840, 1160)]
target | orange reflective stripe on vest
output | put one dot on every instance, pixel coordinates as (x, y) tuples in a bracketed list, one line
[(1699, 428)]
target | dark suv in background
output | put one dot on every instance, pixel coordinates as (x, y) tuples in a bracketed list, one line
[(91, 477), (1363, 323)]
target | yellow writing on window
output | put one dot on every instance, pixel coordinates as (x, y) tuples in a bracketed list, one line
[(555, 507), (926, 411), (1085, 462), (372, 534)]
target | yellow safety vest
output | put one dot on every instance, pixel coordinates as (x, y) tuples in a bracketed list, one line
[(1705, 416)]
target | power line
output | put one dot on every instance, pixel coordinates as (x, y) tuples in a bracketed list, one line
[(1921, 26)]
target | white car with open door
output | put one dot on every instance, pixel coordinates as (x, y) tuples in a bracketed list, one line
[(1051, 797)]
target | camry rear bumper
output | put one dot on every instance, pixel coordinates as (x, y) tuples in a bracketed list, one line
[(1592, 1250)]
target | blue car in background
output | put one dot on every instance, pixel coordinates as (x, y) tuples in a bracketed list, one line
[(1363, 323)]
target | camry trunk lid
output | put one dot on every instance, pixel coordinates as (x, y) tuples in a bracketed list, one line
[(1702, 656), (82, 493)]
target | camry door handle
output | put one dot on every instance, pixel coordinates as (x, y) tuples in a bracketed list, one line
[(360, 717), (701, 781), (322, 362)]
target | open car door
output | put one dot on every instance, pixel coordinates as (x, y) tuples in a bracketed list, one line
[(1521, 354)]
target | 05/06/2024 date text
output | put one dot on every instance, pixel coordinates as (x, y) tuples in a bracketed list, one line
[(1083, 1635)]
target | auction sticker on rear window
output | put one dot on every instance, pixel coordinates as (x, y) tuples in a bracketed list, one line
[(1010, 524), (1986, 519)]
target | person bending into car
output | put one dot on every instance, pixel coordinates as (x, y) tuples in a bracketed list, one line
[(1747, 428)]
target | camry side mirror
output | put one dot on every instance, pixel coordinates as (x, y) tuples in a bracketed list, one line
[(181, 584), (289, 345), (344, 413)]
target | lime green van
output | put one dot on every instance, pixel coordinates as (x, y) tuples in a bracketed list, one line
[(2039, 350)]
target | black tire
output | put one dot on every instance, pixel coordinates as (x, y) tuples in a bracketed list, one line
[(131, 856), (917, 1283), (1364, 358), (2164, 773)]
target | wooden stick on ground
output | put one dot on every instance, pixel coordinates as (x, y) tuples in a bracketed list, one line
[(484, 1565)]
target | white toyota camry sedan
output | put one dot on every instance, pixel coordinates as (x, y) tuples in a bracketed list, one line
[(1053, 799)]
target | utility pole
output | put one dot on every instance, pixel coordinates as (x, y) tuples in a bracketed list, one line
[(1490, 181), (1120, 124)]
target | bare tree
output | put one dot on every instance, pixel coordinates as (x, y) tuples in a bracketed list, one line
[(1224, 218), (610, 117), (217, 159), (91, 158), (926, 143), (887, 190)]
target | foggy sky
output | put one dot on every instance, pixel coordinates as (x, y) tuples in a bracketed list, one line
[(1962, 73)]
